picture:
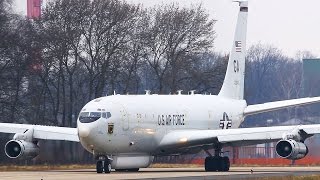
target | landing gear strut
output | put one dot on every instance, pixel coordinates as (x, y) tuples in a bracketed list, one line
[(216, 162), (103, 165)]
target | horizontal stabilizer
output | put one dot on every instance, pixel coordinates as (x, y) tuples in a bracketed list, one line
[(273, 106)]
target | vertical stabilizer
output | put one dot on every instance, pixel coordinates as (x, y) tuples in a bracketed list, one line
[(233, 85)]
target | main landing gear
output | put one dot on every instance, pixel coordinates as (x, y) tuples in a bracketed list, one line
[(216, 162), (103, 165)]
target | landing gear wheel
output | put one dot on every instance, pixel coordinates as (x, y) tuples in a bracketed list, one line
[(107, 166), (99, 167), (217, 163), (220, 164), (226, 164), (211, 164), (207, 165)]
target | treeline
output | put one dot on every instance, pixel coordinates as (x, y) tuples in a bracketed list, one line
[(80, 50), (273, 76)]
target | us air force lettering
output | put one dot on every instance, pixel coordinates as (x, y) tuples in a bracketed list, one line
[(125, 132), (171, 120)]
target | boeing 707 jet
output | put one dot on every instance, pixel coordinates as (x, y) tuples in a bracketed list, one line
[(126, 132)]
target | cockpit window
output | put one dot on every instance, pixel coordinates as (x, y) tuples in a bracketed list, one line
[(88, 117), (95, 114), (108, 114)]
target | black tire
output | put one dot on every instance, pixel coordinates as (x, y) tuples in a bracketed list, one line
[(207, 164), (211, 164), (107, 166), (226, 163), (99, 167), (215, 163), (220, 164)]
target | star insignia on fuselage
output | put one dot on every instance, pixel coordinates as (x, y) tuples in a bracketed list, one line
[(225, 123)]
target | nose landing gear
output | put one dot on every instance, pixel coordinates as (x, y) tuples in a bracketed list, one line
[(216, 162), (103, 165)]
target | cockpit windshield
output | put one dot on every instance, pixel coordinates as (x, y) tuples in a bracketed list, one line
[(88, 117)]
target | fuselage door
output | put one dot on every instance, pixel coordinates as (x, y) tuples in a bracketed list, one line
[(210, 119), (124, 119)]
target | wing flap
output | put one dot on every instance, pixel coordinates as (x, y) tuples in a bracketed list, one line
[(232, 137), (272, 106), (255, 134)]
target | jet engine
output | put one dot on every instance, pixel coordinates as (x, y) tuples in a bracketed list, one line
[(291, 149), (21, 149)]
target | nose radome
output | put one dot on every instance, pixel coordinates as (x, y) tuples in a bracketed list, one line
[(83, 131)]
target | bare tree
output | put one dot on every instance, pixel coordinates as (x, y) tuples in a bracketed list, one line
[(175, 34), (272, 76), (106, 32)]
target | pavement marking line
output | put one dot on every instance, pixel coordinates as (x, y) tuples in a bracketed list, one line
[(160, 173)]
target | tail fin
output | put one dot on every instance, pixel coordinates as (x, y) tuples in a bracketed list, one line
[(233, 85)]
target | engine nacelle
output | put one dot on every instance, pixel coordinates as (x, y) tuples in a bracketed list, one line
[(291, 149), (131, 162), (21, 149)]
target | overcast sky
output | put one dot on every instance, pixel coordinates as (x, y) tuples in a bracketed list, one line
[(290, 25)]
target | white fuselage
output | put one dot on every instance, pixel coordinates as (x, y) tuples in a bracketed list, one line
[(141, 121)]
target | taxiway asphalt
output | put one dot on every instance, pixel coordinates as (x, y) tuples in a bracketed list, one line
[(162, 173)]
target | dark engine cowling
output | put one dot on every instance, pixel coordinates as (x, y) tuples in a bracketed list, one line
[(21, 149), (291, 149)]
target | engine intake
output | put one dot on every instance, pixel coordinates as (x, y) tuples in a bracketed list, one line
[(291, 149), (21, 149)]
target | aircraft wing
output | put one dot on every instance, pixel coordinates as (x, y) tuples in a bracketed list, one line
[(42, 132), (272, 106), (233, 137)]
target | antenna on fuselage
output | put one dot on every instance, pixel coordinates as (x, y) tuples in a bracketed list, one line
[(192, 92), (114, 93), (148, 92)]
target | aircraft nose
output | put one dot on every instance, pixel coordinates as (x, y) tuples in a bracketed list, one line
[(83, 131)]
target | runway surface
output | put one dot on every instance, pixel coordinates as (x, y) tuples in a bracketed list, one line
[(163, 173)]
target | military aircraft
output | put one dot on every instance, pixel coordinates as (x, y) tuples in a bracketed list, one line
[(126, 132)]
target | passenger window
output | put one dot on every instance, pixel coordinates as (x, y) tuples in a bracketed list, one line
[(110, 128)]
